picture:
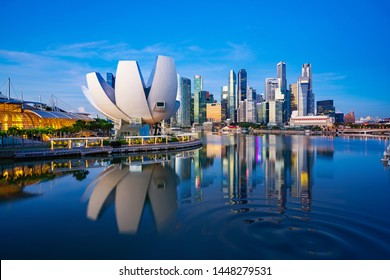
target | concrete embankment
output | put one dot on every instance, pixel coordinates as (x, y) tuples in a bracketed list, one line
[(64, 152)]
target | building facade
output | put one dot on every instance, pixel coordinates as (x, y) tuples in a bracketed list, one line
[(198, 87), (232, 105), (242, 83), (325, 108), (323, 121), (214, 112), (184, 96)]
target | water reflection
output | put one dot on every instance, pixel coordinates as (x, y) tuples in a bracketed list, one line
[(16, 176), (130, 187), (282, 165)]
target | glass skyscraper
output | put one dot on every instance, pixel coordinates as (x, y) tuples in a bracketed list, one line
[(198, 87), (232, 105), (184, 96), (307, 73), (242, 84)]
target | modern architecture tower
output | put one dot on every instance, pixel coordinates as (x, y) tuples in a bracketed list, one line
[(307, 74), (232, 105), (184, 96), (198, 87), (282, 81), (242, 84)]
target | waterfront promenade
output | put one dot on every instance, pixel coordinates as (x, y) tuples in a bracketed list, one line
[(142, 145)]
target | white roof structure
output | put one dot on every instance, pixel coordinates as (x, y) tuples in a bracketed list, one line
[(132, 98)]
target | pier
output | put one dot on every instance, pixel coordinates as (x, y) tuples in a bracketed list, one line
[(136, 144)]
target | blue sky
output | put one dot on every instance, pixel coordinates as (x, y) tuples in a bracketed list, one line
[(48, 47)]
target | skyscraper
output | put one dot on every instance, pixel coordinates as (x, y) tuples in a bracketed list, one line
[(242, 84), (303, 92), (232, 105), (184, 96), (270, 85), (282, 81), (293, 97), (224, 102), (198, 87), (307, 73)]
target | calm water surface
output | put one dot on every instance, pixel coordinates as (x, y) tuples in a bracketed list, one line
[(239, 197)]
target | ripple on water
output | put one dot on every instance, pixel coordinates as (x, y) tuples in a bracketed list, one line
[(256, 230)]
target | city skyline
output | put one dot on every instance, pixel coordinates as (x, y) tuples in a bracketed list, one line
[(347, 47)]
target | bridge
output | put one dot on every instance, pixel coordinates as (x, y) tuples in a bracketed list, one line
[(365, 131)]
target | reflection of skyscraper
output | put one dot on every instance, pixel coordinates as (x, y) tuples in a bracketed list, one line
[(302, 162)]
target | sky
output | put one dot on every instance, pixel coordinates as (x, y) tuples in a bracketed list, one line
[(47, 47)]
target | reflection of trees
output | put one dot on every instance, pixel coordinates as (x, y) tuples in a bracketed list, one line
[(80, 174), (130, 187)]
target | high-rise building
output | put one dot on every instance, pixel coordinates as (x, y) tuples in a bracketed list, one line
[(262, 110), (111, 80), (184, 96), (282, 81), (224, 102), (242, 84), (307, 73), (325, 108), (241, 112), (293, 97), (202, 106), (213, 112), (198, 87), (270, 85), (303, 92), (232, 105)]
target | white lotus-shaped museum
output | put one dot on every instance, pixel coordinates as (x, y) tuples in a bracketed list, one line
[(132, 99)]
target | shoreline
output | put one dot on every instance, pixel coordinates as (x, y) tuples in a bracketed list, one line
[(18, 154)]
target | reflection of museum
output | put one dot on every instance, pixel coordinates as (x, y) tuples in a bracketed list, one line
[(130, 187)]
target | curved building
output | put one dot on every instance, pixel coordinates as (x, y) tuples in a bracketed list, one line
[(21, 114), (133, 102)]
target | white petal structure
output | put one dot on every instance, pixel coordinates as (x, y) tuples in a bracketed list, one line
[(131, 98)]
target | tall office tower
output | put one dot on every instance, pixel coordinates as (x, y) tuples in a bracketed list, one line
[(203, 106), (242, 84), (293, 97), (111, 80), (241, 111), (307, 73), (232, 105), (184, 96), (262, 110), (198, 87), (250, 106), (282, 81), (303, 92), (270, 85), (224, 102), (326, 108)]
